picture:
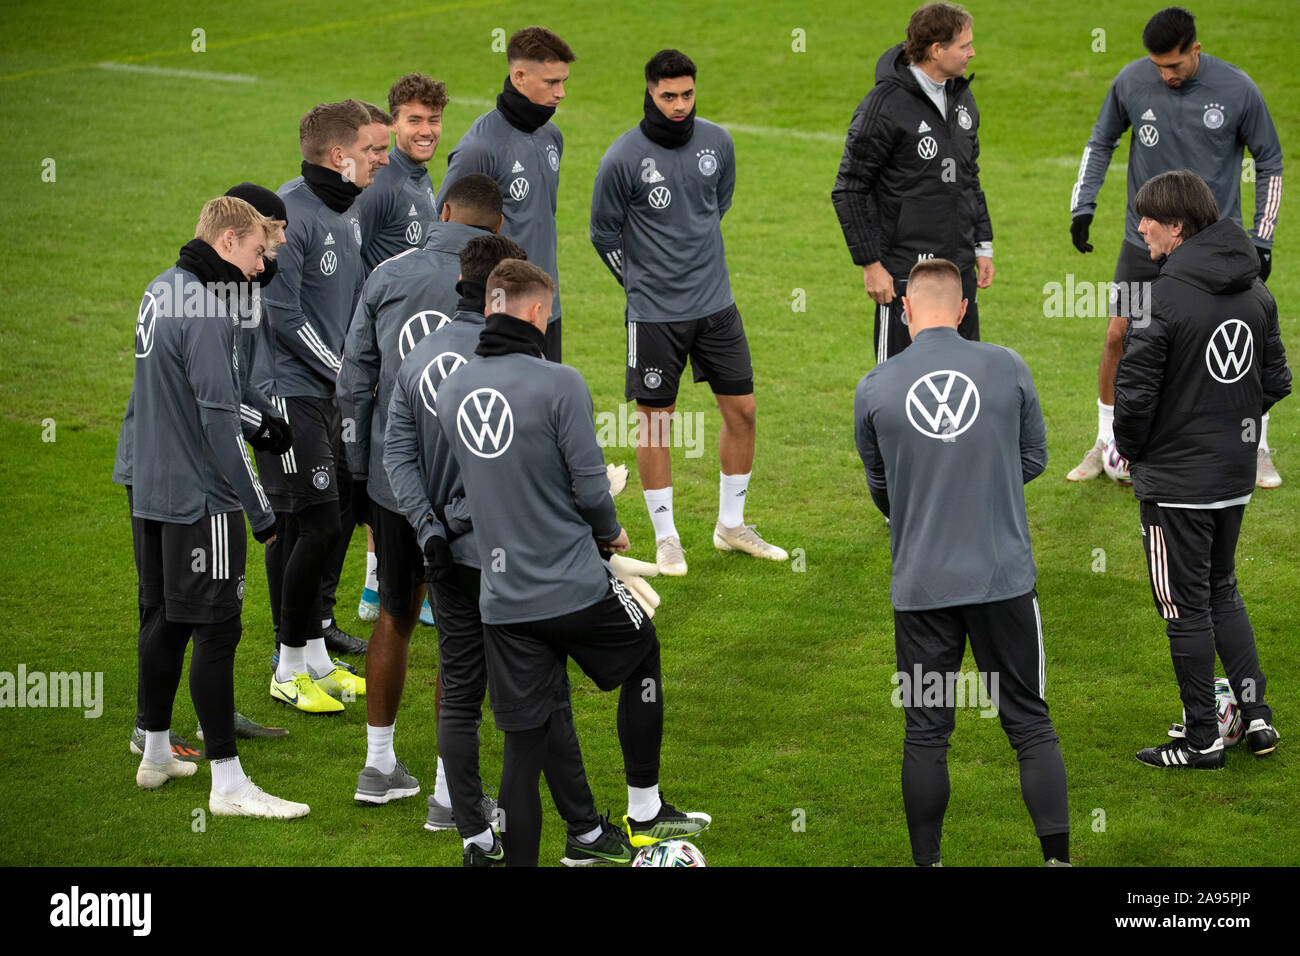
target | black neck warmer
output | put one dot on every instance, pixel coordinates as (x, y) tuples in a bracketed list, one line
[(473, 296), (521, 112), (662, 131), (505, 335), (202, 260), (330, 187)]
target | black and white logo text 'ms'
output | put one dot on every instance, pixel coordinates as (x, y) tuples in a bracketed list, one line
[(76, 909), (943, 404)]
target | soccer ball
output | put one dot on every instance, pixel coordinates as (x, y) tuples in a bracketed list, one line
[(669, 853), (1116, 466), (1231, 727)]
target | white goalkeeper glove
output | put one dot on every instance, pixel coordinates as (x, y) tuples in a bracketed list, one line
[(633, 574), (617, 478)]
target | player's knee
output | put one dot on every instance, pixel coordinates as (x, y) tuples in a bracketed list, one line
[(1026, 737), (1115, 334), (1224, 596)]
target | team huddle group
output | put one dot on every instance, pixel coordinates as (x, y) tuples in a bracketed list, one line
[(393, 358)]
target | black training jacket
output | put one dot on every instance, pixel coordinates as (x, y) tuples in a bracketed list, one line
[(1199, 372), (908, 187)]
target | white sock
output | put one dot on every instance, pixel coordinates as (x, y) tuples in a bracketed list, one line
[(592, 835), (731, 500), (483, 839), (158, 746), (1263, 433), (372, 571), (293, 660), (659, 502), (1105, 423), (442, 794), (643, 803), (379, 748), (318, 659), (227, 775), (325, 623)]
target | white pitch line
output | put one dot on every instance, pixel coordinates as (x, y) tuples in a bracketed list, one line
[(780, 132), (186, 74), (773, 131)]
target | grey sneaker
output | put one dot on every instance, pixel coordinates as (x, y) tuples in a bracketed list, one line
[(745, 538), (376, 787), (441, 818), (668, 824), (1091, 466), (1266, 475), (669, 556)]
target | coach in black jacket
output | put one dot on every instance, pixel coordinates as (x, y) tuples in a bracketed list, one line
[(908, 186), (1190, 389)]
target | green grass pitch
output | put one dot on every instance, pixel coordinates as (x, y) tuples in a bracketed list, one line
[(779, 719)]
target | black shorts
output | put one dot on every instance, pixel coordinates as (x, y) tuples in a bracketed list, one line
[(890, 333), (195, 571), (526, 662), (716, 344), (400, 560), (1135, 271), (307, 473)]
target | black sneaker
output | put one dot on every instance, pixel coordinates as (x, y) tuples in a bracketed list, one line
[(1178, 753), (612, 846), (247, 729), (475, 855), (339, 641), (1261, 738), (669, 824)]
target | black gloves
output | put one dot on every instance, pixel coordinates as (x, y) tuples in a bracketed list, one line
[(1079, 227), (266, 534), (273, 435), (1265, 262), (437, 560), (360, 501)]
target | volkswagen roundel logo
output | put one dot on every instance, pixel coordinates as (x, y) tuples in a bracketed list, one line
[(145, 323), (1230, 351), (943, 404), (328, 263), (1148, 135), (660, 197), (433, 375), (417, 327), (413, 231), (485, 423), (519, 189), (927, 148)]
